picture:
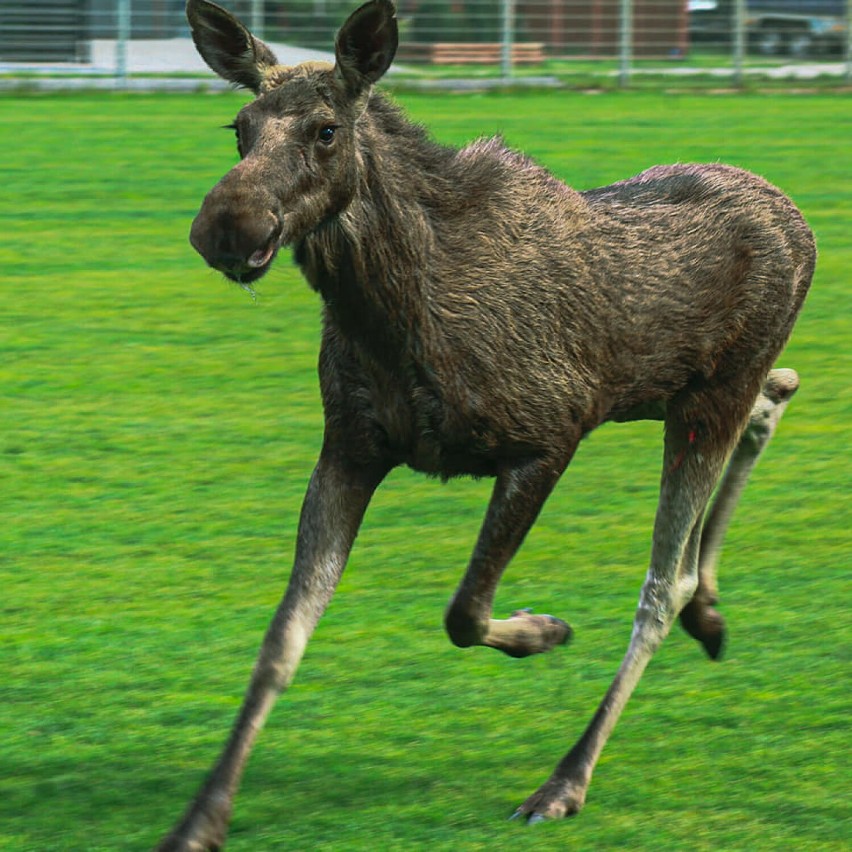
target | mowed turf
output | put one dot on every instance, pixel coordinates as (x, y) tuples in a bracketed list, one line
[(157, 429)]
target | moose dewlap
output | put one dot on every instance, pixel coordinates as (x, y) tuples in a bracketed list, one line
[(481, 317)]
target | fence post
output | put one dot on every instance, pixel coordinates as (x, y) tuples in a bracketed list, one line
[(257, 18), (122, 36), (849, 41), (508, 39), (739, 27), (625, 41)]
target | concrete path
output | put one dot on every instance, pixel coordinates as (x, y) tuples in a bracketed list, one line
[(178, 56)]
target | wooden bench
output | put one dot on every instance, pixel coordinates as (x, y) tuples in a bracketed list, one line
[(471, 53)]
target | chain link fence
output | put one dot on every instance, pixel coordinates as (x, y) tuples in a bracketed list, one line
[(503, 40)]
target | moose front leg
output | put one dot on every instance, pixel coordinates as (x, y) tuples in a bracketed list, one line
[(519, 493), (334, 505)]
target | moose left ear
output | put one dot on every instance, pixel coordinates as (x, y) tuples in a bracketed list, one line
[(366, 44), (227, 46)]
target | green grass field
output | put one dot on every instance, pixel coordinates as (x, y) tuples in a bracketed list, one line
[(157, 429)]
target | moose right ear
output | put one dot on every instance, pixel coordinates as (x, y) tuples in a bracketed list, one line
[(366, 44), (227, 46)]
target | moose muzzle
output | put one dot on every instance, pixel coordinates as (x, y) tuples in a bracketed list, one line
[(238, 230)]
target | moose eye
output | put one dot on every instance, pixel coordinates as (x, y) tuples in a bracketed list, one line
[(326, 134)]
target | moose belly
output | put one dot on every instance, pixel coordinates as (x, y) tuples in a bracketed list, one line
[(442, 435)]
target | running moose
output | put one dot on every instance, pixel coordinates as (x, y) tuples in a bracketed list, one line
[(480, 318)]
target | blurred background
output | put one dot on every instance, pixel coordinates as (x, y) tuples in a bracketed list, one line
[(461, 38)]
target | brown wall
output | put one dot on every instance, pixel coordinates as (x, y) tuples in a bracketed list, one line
[(590, 27)]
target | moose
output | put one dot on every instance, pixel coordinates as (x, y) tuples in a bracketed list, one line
[(480, 318)]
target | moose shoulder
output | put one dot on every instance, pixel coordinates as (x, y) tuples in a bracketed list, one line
[(480, 317)]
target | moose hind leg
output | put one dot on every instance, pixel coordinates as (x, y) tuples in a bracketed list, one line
[(690, 471), (699, 617), (519, 493)]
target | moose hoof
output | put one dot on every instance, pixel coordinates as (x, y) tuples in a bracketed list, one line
[(192, 843), (553, 800), (180, 843), (705, 624), (525, 634), (199, 831)]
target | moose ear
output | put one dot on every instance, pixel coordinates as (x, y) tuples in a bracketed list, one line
[(366, 44), (227, 46)]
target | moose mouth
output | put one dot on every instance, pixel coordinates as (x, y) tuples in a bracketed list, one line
[(258, 263)]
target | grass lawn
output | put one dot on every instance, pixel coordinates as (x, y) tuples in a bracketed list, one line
[(157, 429)]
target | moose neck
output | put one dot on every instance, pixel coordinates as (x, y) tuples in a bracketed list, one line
[(370, 262)]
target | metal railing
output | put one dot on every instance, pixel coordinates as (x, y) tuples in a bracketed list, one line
[(503, 39)]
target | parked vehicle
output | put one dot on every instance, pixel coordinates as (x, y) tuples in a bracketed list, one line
[(773, 27)]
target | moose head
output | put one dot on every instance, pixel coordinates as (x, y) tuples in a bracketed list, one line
[(297, 140)]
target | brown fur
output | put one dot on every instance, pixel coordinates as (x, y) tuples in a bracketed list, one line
[(480, 318)]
